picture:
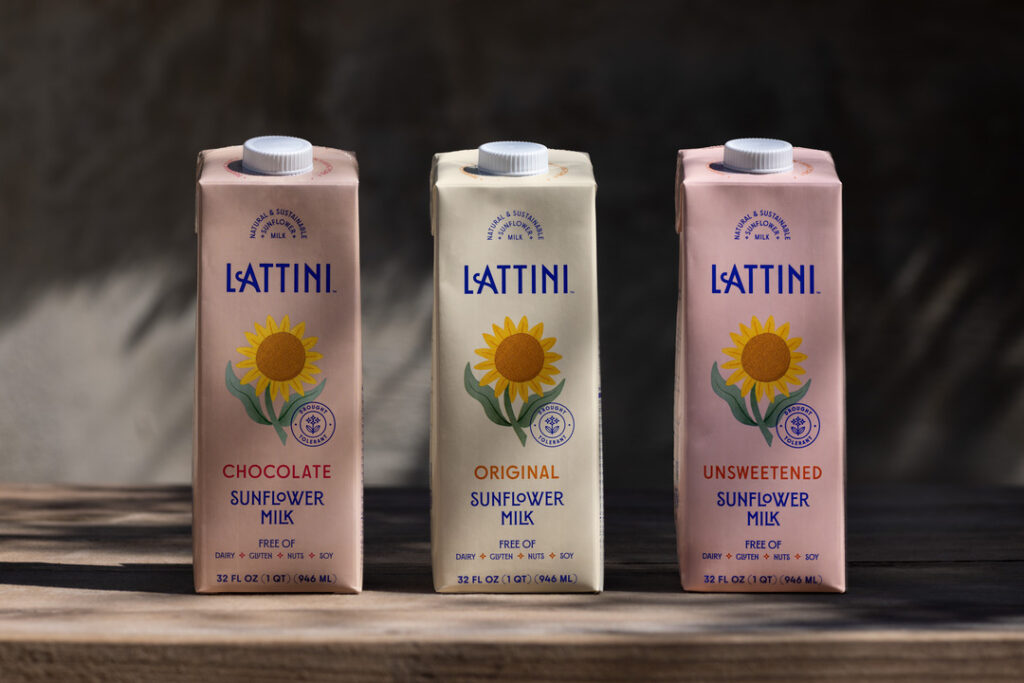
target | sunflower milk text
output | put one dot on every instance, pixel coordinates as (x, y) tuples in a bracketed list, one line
[(763, 499), (517, 278), (276, 499), (516, 499), (763, 278), (279, 278)]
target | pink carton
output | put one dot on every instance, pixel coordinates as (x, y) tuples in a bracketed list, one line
[(277, 478), (759, 422)]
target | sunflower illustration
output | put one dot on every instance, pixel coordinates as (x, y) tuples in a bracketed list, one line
[(765, 360), (519, 361), (279, 357), (279, 360), (518, 358)]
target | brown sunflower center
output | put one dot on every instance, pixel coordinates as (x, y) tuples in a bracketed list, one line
[(519, 358), (281, 356), (766, 357)]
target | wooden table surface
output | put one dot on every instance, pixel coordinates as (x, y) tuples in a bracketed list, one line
[(96, 584)]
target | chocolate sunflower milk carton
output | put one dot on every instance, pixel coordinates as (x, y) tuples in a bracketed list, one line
[(277, 477), (515, 437), (760, 427)]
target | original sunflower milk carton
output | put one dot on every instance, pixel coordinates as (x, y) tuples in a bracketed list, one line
[(515, 440), (277, 477), (759, 421)]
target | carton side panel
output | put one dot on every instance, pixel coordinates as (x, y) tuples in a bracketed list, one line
[(463, 438)]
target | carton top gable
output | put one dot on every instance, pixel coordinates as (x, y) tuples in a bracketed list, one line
[(704, 166), (697, 167), (223, 166), (564, 168)]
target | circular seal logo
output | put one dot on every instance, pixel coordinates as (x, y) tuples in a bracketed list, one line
[(798, 426), (313, 424), (552, 425)]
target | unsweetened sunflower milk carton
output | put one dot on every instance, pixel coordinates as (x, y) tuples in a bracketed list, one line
[(759, 421), (515, 439), (277, 476)]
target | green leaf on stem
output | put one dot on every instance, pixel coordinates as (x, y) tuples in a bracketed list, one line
[(486, 398), (536, 403), (245, 394), (730, 393)]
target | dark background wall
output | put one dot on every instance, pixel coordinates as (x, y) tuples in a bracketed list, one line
[(105, 104)]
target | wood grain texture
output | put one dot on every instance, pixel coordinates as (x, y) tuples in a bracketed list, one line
[(95, 584)]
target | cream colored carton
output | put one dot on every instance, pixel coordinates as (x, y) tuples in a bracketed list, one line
[(515, 440), (277, 478)]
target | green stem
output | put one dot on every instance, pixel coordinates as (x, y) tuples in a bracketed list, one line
[(767, 433), (274, 419), (512, 418)]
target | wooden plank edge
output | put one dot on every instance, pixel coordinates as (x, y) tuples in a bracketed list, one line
[(990, 655)]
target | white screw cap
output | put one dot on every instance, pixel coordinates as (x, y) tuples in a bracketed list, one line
[(277, 155), (512, 158), (758, 155)]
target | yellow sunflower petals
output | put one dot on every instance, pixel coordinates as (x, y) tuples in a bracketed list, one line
[(760, 391), (246, 351), (733, 353), (538, 331), (524, 392), (769, 324), (546, 344), (498, 332), (794, 343), (271, 325), (536, 388), (299, 330), (731, 365), (550, 369), (310, 342), (736, 376), (311, 368), (261, 387), (737, 339), (489, 377), (485, 365), (782, 388), (510, 327), (500, 386), (797, 357), (249, 363), (486, 353), (755, 325), (306, 378), (297, 386), (745, 331), (770, 391), (286, 324), (523, 324), (550, 357), (250, 376), (783, 331), (747, 384)]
